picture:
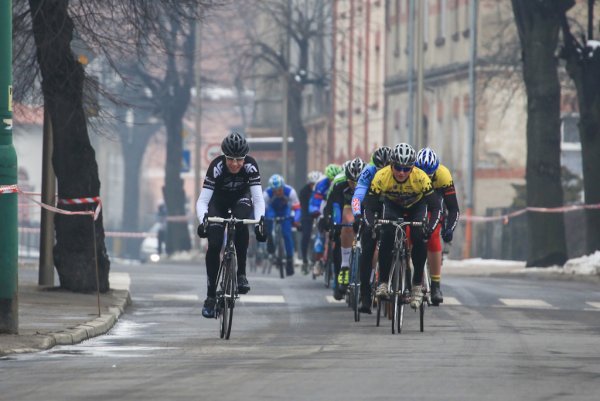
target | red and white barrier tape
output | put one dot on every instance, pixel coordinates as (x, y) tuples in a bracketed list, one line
[(506, 217), (7, 189)]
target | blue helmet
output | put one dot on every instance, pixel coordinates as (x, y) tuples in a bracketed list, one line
[(427, 161), (276, 181)]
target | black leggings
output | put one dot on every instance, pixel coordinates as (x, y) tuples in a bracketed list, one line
[(307, 223), (417, 213), (242, 209)]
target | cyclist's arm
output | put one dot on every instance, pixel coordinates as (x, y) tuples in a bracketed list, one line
[(202, 203), (434, 207), (317, 197), (362, 187), (295, 204), (258, 201), (451, 203)]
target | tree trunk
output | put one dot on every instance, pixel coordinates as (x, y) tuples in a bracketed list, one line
[(538, 25), (73, 156), (134, 141), (298, 132), (178, 237), (584, 69)]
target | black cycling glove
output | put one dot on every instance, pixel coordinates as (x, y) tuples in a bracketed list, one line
[(447, 235), (259, 230)]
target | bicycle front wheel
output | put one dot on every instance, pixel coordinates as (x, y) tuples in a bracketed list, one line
[(228, 296), (355, 283), (396, 293)]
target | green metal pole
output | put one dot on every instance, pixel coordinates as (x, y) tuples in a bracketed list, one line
[(9, 311)]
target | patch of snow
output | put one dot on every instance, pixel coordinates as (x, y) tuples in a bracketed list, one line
[(594, 44), (588, 265)]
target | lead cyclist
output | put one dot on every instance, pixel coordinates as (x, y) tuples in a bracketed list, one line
[(232, 183)]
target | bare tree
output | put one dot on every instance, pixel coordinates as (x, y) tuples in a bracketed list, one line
[(115, 29), (538, 25), (304, 24), (583, 66)]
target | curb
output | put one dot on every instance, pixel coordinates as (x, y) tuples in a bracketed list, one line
[(93, 328)]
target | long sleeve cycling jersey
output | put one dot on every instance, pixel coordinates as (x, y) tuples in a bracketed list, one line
[(362, 187), (318, 196), (220, 185), (444, 185), (284, 205)]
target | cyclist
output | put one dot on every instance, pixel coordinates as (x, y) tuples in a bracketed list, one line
[(443, 184), (315, 204), (232, 182), (400, 190), (338, 207), (307, 219), (281, 200), (321, 188), (379, 159)]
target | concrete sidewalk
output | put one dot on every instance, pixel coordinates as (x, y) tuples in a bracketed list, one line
[(51, 316)]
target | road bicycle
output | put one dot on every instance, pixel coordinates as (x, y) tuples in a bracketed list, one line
[(400, 274), (278, 259), (354, 285), (227, 290)]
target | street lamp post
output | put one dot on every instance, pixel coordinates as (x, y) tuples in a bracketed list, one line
[(9, 318)]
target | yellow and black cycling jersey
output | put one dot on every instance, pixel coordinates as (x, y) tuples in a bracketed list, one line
[(442, 178), (404, 194)]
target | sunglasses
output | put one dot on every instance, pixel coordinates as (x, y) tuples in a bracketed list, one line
[(404, 169), (235, 159)]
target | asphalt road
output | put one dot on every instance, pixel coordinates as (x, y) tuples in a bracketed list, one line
[(501, 338)]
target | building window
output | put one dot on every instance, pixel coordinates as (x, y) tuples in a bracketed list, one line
[(467, 12), (397, 30), (456, 20)]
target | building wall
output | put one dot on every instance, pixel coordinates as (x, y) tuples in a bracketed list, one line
[(359, 52)]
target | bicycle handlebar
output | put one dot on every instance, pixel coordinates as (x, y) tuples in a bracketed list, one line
[(399, 223), (233, 220)]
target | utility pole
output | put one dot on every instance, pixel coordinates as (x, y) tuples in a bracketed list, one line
[(285, 87), (46, 269), (470, 192), (411, 75), (198, 121), (9, 308), (419, 131)]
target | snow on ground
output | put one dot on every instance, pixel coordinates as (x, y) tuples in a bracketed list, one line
[(585, 265)]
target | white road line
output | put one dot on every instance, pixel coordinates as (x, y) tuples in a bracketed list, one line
[(451, 301), (594, 304), (263, 299), (332, 300), (529, 303), (175, 297), (119, 281)]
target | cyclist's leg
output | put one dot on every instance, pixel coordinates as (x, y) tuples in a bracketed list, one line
[(419, 247), (386, 245), (306, 233), (216, 233), (288, 240), (434, 261), (269, 224), (346, 238), (242, 210)]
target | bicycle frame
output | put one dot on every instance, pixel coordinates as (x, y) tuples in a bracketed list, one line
[(399, 276), (227, 274)]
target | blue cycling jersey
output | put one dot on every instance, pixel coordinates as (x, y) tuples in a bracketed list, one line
[(362, 187), (319, 194)]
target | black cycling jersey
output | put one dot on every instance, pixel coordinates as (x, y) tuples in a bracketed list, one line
[(224, 183), (304, 196)]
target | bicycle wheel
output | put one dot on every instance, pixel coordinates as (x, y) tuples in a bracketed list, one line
[(355, 283), (402, 275), (279, 252), (229, 293), (426, 295), (328, 266), (396, 293)]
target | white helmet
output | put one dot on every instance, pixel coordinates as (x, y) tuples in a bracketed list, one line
[(403, 155), (314, 176)]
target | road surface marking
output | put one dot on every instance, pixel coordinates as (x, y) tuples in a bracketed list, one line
[(332, 300), (175, 297), (263, 299), (451, 301), (529, 303), (594, 304), (119, 281)]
